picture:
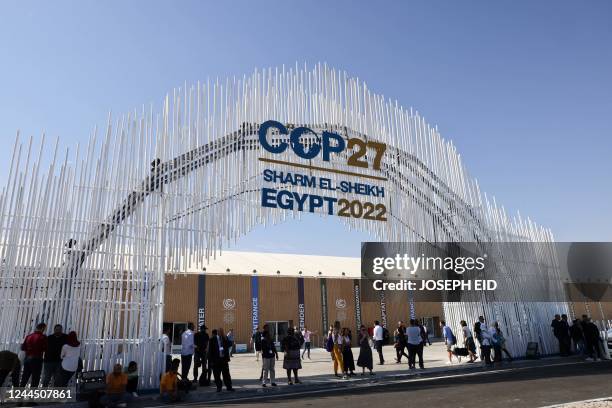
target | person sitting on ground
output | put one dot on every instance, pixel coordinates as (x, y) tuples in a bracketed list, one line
[(116, 395), (9, 364), (132, 374), (168, 387)]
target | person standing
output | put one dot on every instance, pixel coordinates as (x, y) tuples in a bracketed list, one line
[(378, 341), (187, 350), (566, 340), (449, 340), (415, 344), (34, 346), (218, 349), (577, 336), (256, 339), (365, 351), (268, 357), (485, 341), (70, 355), (558, 332), (591, 338), (200, 341), (347, 352), (400, 342), (166, 347), (336, 349), (9, 364), (230, 339), (292, 361), (468, 341), (306, 334), (53, 361)]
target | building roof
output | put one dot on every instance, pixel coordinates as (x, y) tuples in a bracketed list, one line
[(272, 264)]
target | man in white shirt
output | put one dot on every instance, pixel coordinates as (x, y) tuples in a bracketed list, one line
[(187, 349), (166, 347), (378, 341)]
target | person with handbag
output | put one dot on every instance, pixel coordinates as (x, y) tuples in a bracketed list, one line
[(468, 341), (450, 341)]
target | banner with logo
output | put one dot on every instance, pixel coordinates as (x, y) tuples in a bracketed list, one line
[(301, 304), (254, 302), (383, 309)]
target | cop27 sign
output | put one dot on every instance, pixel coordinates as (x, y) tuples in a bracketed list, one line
[(343, 184)]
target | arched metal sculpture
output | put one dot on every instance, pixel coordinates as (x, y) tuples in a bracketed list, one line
[(88, 241)]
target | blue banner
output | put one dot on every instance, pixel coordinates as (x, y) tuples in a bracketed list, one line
[(301, 304), (254, 302)]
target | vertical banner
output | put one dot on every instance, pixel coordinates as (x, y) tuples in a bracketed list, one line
[(383, 309), (357, 292), (301, 304), (254, 302), (201, 300), (324, 307), (411, 305)]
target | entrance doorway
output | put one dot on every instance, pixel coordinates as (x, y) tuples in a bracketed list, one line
[(278, 330), (175, 337)]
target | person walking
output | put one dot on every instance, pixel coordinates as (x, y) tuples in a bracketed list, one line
[(378, 341), (468, 341), (400, 342), (34, 346), (53, 361), (9, 364), (269, 356), (187, 350), (500, 343), (200, 341), (256, 339), (292, 361), (218, 348), (347, 352), (415, 344), (365, 351), (69, 355), (307, 334), (166, 348), (558, 333), (449, 341)]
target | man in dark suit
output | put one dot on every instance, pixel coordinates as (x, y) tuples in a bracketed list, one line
[(218, 350)]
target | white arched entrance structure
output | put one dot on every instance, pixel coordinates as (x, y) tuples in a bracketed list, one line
[(87, 235)]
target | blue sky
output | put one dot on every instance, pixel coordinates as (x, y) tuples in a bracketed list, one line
[(523, 88)]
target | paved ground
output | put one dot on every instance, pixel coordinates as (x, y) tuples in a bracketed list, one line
[(554, 383), (245, 369)]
